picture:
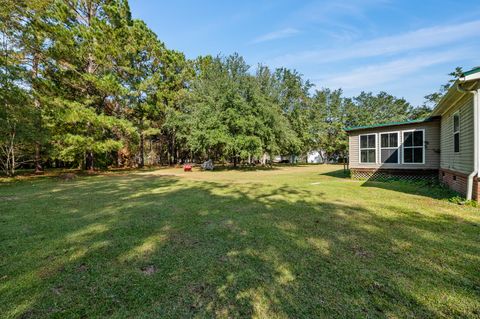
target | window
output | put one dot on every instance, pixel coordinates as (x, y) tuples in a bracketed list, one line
[(413, 147), (456, 133), (389, 148), (368, 148)]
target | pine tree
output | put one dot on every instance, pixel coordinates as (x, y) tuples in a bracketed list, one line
[(16, 126), (88, 42), (143, 79)]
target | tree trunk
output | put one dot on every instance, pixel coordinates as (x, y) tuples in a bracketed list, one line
[(12, 148), (142, 150), (89, 161), (322, 159), (38, 159), (174, 148), (90, 70)]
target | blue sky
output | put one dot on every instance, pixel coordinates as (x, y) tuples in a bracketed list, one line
[(406, 47)]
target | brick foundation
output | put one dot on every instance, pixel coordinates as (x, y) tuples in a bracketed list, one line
[(458, 182)]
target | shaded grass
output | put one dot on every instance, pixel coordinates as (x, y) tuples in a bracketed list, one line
[(291, 242)]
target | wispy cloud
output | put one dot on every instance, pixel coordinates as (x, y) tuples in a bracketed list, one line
[(419, 39), (332, 10), (373, 75), (279, 34)]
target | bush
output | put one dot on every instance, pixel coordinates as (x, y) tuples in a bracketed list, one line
[(462, 201)]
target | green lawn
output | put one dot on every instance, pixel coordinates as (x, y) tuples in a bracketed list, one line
[(296, 242)]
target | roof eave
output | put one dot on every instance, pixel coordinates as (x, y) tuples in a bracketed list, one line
[(453, 94), (384, 125), (438, 110), (472, 71), (470, 77)]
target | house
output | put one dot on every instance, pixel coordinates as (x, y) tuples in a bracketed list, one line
[(316, 157), (443, 146)]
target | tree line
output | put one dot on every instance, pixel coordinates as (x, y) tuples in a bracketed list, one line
[(85, 85)]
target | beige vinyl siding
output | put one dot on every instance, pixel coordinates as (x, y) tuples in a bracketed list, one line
[(463, 160), (431, 139)]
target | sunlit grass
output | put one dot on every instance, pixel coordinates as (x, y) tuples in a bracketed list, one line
[(287, 242)]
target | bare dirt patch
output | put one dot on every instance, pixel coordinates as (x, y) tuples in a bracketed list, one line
[(8, 198), (82, 268), (67, 177), (58, 290), (361, 252), (148, 270)]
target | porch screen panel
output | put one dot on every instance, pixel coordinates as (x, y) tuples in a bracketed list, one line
[(389, 148), (413, 147)]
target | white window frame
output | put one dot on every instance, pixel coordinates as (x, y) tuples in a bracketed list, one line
[(456, 132), (360, 149), (403, 147), (389, 148)]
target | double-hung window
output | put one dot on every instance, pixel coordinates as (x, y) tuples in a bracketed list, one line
[(456, 132), (368, 148), (389, 148), (413, 147)]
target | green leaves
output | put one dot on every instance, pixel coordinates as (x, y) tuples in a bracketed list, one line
[(81, 79), (227, 114), (88, 73)]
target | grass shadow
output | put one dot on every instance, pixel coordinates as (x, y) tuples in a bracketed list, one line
[(420, 188), (340, 173), (223, 168), (149, 246), (432, 189)]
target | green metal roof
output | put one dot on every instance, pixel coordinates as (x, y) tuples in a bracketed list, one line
[(354, 128), (472, 71)]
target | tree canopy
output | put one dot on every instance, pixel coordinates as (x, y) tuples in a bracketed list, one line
[(85, 85)]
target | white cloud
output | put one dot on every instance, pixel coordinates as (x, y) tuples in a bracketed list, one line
[(401, 43), (333, 10), (373, 75), (280, 34)]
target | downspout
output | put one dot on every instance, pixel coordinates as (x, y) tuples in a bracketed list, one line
[(476, 105), (475, 140)]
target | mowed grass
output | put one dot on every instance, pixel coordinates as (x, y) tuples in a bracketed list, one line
[(291, 242)]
